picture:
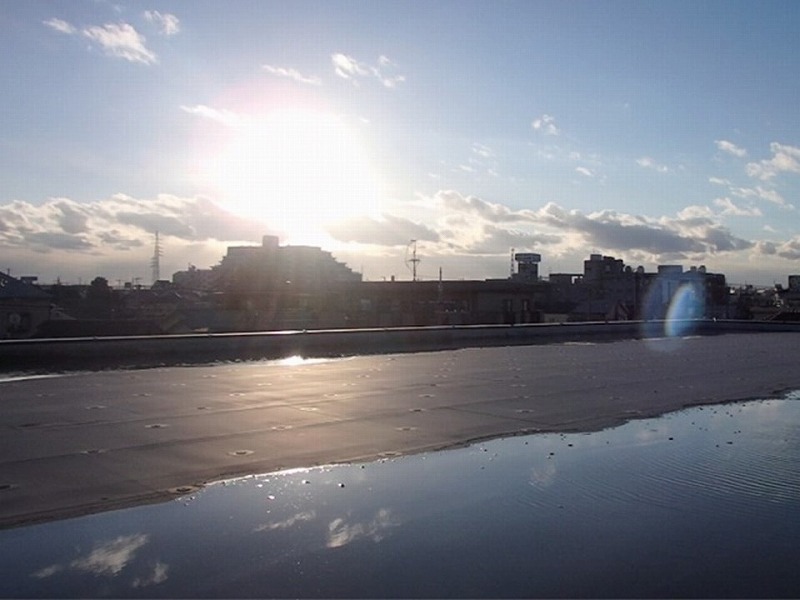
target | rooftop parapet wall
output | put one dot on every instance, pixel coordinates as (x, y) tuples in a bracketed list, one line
[(42, 355)]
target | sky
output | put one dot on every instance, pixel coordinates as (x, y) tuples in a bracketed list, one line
[(655, 132)]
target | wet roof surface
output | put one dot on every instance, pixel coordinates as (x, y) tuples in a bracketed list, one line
[(89, 441)]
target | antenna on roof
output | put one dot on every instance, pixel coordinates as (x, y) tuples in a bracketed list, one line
[(412, 262), (155, 262)]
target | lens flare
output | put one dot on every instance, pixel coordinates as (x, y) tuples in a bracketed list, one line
[(685, 307), (670, 312)]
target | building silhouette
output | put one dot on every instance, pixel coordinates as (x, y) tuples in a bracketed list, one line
[(272, 287), (23, 307)]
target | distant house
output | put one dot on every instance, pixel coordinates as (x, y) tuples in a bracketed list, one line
[(203, 280), (23, 307), (423, 303), (609, 290)]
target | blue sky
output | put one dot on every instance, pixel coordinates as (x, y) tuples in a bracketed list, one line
[(655, 132)]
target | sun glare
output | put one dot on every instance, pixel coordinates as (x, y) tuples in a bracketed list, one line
[(296, 171)]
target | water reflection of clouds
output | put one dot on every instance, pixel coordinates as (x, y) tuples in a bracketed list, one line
[(110, 559), (767, 410), (48, 571), (757, 413), (341, 533), (543, 476), (159, 575), (647, 435), (288, 523)]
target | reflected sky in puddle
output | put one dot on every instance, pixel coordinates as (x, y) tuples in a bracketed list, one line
[(704, 502)]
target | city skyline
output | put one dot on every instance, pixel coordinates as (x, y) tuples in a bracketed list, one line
[(657, 133)]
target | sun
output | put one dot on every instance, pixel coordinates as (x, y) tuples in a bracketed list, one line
[(297, 171)]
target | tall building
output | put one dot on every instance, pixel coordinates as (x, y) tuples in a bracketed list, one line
[(527, 266), (271, 266)]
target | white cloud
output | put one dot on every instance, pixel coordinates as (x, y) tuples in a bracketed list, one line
[(226, 117), (119, 230), (584, 171), (718, 181), (546, 124), (694, 233), (729, 208), (450, 200), (772, 196), (167, 23), (60, 26), (790, 249), (292, 74), (648, 163), (349, 68), (731, 148), (482, 151), (766, 247), (113, 237), (480, 162), (391, 82), (465, 234), (696, 212), (473, 226), (762, 193), (121, 40), (389, 230), (785, 159)]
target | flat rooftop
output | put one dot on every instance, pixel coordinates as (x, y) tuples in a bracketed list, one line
[(78, 443)]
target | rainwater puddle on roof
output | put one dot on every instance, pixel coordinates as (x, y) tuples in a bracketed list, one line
[(14, 377), (702, 502), (297, 361)]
